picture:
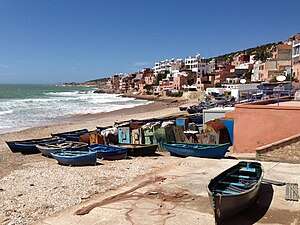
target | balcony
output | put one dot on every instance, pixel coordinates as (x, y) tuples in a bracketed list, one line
[(296, 42)]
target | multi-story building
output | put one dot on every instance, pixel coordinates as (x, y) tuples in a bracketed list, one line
[(114, 82), (126, 82), (255, 71), (280, 64), (240, 59), (211, 66), (224, 72), (296, 56), (167, 65), (149, 76), (282, 52), (196, 64), (172, 84)]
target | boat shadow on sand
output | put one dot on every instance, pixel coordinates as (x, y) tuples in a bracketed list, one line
[(97, 164), (257, 210)]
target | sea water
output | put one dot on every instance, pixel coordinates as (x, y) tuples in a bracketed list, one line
[(25, 106)]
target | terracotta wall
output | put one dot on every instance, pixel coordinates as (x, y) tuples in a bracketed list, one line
[(258, 125)]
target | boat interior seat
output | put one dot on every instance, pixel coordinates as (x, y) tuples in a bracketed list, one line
[(242, 176), (234, 188), (237, 184), (247, 169)]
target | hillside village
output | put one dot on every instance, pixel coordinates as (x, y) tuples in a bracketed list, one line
[(170, 77)]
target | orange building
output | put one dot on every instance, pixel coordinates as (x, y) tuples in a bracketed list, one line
[(222, 72)]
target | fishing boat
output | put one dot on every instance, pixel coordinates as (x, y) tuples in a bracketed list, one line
[(183, 108), (235, 189), (217, 151), (71, 135), (109, 152), (75, 158), (29, 146), (46, 149), (139, 149)]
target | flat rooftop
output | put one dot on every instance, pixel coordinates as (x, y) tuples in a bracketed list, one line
[(287, 103)]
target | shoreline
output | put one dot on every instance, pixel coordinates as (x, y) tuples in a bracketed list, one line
[(12, 161), (34, 187), (90, 121), (154, 103)]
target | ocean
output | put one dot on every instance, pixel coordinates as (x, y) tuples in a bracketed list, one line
[(25, 106)]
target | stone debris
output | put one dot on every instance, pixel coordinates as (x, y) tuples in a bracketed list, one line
[(289, 153)]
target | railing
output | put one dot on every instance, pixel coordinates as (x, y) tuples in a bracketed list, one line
[(295, 42), (258, 95)]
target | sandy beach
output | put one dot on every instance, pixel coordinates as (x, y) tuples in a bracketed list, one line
[(33, 186)]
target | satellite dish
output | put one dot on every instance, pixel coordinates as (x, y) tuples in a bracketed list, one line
[(280, 78), (243, 81)]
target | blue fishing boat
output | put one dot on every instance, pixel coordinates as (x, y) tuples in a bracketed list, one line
[(235, 189), (71, 135), (109, 152), (217, 151), (46, 148), (75, 158), (29, 146)]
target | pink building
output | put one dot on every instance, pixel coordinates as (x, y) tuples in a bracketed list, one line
[(240, 59), (172, 83), (149, 76), (222, 72), (114, 82), (178, 82), (264, 122)]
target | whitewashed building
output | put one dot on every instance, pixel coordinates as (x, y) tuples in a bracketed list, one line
[(196, 64), (167, 65), (255, 71), (296, 56)]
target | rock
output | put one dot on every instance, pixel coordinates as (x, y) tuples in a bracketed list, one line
[(99, 91)]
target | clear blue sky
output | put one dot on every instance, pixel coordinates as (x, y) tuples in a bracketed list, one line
[(70, 40)]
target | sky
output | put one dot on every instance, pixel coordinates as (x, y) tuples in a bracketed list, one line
[(56, 41)]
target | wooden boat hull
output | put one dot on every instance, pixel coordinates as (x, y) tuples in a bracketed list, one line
[(46, 149), (109, 152), (233, 199), (75, 158), (71, 135), (139, 149), (197, 150), (29, 146)]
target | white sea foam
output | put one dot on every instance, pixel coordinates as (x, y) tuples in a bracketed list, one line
[(6, 112), (52, 106)]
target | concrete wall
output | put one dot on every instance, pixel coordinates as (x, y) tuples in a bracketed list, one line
[(258, 124), (284, 144)]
